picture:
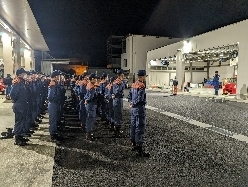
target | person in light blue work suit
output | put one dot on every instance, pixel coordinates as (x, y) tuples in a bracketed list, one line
[(82, 92), (109, 103), (90, 105), (53, 105), (117, 96), (19, 97), (102, 87), (137, 101), (216, 83)]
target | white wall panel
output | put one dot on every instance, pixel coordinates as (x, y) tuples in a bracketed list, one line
[(159, 78), (187, 76), (198, 77), (137, 47)]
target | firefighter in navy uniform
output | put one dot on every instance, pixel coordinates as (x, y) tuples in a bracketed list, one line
[(82, 112), (90, 100), (117, 96), (102, 87), (19, 97), (54, 97), (109, 103), (137, 101)]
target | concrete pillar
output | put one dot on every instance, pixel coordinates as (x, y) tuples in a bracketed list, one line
[(179, 69), (242, 75), (208, 66), (17, 52), (191, 71), (7, 55)]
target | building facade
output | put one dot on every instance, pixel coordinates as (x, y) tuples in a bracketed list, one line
[(20, 36), (136, 47), (208, 49)]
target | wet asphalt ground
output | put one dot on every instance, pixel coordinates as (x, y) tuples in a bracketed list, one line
[(181, 154)]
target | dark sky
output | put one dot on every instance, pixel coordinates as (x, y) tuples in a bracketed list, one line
[(74, 28)]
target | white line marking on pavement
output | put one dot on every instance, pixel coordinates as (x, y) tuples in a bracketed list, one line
[(218, 130)]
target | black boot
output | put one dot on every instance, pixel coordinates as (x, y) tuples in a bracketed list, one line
[(141, 152), (19, 140), (112, 126), (134, 147), (117, 132), (38, 120), (90, 136), (55, 139)]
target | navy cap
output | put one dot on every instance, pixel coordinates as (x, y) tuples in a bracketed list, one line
[(104, 75), (20, 71), (111, 79), (119, 71), (55, 73), (141, 73), (92, 76)]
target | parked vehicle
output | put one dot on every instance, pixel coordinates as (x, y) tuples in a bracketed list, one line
[(2, 88)]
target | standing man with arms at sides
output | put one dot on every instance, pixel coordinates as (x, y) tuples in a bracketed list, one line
[(103, 85), (175, 84), (82, 109), (137, 101), (19, 96), (117, 96), (53, 105), (216, 83), (90, 100), (109, 102)]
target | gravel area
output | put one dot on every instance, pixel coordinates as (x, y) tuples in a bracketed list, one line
[(229, 115), (181, 155)]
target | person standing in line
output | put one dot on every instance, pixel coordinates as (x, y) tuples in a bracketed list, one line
[(137, 102), (117, 96), (19, 97), (53, 105), (90, 101)]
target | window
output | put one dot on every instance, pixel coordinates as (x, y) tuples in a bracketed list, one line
[(199, 69), (125, 63)]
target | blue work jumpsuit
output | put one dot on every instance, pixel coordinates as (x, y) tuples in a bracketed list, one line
[(20, 99), (137, 98)]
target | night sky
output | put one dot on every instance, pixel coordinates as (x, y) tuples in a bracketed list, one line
[(79, 28)]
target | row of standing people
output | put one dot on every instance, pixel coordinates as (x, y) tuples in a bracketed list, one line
[(98, 95), (28, 93), (30, 90), (109, 94)]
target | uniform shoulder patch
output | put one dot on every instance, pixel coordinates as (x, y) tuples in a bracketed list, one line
[(117, 81), (138, 85), (90, 86), (84, 82), (109, 86)]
